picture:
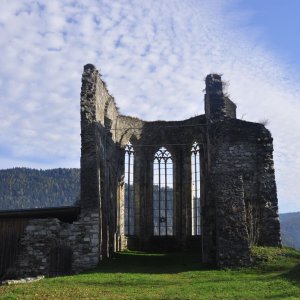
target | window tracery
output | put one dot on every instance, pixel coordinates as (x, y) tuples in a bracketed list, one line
[(129, 190), (196, 204), (163, 193)]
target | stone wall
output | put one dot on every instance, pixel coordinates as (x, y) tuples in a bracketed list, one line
[(95, 235), (242, 188), (234, 154), (100, 158), (238, 190), (147, 138), (217, 105), (232, 243), (43, 235)]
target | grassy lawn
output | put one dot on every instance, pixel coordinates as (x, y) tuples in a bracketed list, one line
[(136, 275)]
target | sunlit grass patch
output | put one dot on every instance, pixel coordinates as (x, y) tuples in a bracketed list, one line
[(137, 275)]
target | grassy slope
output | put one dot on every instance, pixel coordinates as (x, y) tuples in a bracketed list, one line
[(136, 275)]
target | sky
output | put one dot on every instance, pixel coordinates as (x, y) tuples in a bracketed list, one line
[(154, 56)]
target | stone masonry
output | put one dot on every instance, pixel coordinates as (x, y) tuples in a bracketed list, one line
[(238, 197), (238, 190), (42, 235)]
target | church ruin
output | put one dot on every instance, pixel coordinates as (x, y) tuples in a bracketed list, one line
[(206, 183)]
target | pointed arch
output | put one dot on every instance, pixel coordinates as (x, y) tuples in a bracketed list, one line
[(163, 193), (129, 190), (196, 201)]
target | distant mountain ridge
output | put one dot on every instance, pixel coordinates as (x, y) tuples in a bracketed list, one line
[(22, 188), (290, 229)]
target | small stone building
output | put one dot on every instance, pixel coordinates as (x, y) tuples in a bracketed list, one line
[(206, 183)]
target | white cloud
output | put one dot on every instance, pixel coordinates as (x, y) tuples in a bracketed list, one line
[(154, 56)]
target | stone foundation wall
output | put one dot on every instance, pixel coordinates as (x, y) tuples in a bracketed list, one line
[(42, 235)]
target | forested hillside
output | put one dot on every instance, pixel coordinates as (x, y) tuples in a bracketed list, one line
[(290, 229), (30, 188)]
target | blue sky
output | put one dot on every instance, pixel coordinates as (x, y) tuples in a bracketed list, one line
[(154, 56), (277, 23)]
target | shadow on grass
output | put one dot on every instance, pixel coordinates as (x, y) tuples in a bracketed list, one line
[(293, 275), (137, 283), (283, 295), (152, 263)]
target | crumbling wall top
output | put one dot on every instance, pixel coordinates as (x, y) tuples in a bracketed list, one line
[(217, 105), (97, 104), (214, 85)]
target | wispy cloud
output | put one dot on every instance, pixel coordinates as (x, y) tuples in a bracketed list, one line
[(154, 56)]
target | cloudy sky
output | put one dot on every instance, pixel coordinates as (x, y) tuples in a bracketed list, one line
[(154, 56)]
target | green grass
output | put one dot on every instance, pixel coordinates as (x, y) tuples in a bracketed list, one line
[(136, 275)]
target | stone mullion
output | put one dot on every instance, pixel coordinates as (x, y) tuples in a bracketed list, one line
[(195, 196), (166, 199), (159, 216), (128, 195)]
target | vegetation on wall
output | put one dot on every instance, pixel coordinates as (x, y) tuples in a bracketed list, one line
[(22, 188)]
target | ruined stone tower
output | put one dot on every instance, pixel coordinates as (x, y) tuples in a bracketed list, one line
[(205, 183)]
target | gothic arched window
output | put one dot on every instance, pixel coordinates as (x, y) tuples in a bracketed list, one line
[(196, 208), (163, 193), (129, 190)]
